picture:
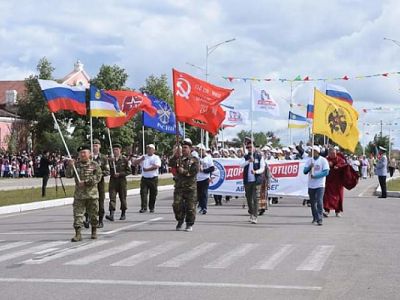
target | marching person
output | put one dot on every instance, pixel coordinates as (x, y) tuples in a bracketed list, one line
[(334, 190), (86, 195), (254, 166), (186, 167), (203, 178), (318, 168), (381, 170), (119, 169), (150, 164), (102, 161)]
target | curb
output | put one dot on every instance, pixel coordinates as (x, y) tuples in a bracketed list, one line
[(389, 194), (18, 208)]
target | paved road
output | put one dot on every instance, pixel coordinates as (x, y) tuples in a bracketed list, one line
[(27, 183), (225, 257)]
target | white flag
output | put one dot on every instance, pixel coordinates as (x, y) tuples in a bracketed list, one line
[(235, 117), (262, 101)]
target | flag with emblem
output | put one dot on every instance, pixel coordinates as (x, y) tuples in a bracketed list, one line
[(297, 121), (235, 117), (262, 101), (103, 104), (197, 101), (164, 120), (336, 119), (131, 103)]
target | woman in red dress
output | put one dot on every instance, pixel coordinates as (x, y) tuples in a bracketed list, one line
[(333, 197)]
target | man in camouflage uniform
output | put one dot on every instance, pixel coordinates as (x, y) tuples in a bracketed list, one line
[(118, 182), (102, 160), (86, 195), (186, 167)]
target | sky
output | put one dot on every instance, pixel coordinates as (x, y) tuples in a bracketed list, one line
[(273, 39)]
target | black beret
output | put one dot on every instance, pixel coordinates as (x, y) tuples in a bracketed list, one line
[(83, 147), (116, 145)]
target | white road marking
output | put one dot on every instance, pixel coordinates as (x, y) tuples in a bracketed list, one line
[(45, 251), (36, 232), (161, 283), (131, 226), (316, 260), (15, 215), (147, 254), (26, 251), (229, 258), (105, 253), (275, 259), (13, 245), (188, 256), (64, 252)]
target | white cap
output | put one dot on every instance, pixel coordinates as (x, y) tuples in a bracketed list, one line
[(336, 148), (232, 149), (285, 149), (201, 146), (279, 151), (266, 148), (151, 146), (316, 148)]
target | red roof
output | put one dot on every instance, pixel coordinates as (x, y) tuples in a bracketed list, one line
[(18, 85)]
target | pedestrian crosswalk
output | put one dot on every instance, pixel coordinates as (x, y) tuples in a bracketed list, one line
[(168, 254)]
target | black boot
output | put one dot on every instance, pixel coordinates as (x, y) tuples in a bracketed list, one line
[(100, 224), (111, 216), (86, 222), (123, 217)]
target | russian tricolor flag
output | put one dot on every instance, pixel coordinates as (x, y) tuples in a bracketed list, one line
[(64, 97), (339, 92)]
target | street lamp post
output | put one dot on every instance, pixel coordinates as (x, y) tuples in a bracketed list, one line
[(210, 50)]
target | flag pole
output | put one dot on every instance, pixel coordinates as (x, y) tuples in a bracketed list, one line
[(91, 134), (184, 130), (112, 153), (65, 145), (291, 104), (252, 104), (176, 115), (143, 146)]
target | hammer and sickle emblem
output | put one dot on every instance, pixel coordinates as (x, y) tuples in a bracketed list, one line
[(183, 87)]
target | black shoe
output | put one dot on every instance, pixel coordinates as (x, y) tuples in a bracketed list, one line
[(142, 210), (111, 216), (100, 224), (86, 224), (380, 197), (123, 217), (152, 211), (325, 214), (204, 212), (179, 226), (319, 223), (261, 212)]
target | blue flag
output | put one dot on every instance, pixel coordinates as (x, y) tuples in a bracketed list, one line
[(164, 121)]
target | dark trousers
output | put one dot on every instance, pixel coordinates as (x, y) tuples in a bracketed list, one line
[(382, 183), (316, 201), (391, 171), (45, 179), (252, 193), (117, 186), (102, 196), (218, 199), (148, 186), (202, 193)]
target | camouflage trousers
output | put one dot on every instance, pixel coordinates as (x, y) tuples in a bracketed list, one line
[(80, 206), (102, 197), (185, 205)]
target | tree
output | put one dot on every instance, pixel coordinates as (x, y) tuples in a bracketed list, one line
[(110, 78), (379, 141), (260, 138)]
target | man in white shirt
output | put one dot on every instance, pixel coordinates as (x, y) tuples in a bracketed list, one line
[(149, 163), (203, 178), (254, 166), (318, 168)]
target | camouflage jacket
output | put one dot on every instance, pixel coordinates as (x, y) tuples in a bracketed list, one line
[(104, 165), (122, 167), (90, 173), (190, 165)]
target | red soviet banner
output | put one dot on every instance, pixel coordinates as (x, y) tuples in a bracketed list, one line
[(197, 101)]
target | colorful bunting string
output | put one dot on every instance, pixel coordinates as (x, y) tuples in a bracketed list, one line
[(307, 78)]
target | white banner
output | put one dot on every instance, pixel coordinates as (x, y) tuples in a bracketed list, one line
[(287, 178), (235, 117), (263, 102)]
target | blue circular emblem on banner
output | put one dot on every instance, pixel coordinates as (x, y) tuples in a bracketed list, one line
[(218, 176)]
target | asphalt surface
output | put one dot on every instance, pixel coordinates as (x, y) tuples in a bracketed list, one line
[(284, 256)]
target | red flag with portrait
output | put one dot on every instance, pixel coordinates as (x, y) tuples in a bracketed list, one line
[(131, 103), (197, 101)]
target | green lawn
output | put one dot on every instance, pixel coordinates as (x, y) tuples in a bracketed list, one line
[(393, 185), (20, 196)]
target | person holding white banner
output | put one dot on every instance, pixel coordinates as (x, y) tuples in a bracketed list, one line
[(318, 168), (254, 166)]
